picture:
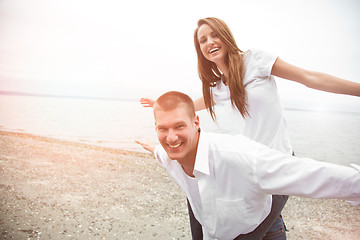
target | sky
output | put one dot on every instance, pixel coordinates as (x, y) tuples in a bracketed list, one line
[(141, 48)]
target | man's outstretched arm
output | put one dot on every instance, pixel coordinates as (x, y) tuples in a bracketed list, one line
[(149, 146)]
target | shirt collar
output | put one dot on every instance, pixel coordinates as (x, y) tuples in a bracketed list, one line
[(202, 154)]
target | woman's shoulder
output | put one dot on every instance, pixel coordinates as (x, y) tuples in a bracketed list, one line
[(257, 63), (257, 53), (259, 58)]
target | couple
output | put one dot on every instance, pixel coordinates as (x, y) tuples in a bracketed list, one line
[(229, 179), (242, 83)]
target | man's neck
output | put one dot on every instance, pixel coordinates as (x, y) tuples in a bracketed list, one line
[(188, 170), (188, 163)]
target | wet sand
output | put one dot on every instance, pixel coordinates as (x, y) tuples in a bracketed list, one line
[(53, 189)]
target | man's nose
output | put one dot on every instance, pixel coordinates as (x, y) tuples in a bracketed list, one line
[(171, 136)]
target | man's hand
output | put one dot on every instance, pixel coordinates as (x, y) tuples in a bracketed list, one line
[(147, 102), (354, 203), (148, 145)]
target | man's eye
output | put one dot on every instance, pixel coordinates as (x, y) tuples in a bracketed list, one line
[(180, 127)]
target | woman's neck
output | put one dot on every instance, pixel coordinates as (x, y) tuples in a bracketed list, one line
[(225, 71)]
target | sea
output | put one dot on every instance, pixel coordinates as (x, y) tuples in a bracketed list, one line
[(324, 136)]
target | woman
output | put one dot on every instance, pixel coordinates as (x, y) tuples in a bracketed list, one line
[(243, 83), (242, 87)]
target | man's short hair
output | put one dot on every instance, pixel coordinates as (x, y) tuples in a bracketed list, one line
[(172, 100)]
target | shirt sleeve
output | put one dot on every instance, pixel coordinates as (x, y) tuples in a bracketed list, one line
[(264, 61), (161, 155), (278, 173)]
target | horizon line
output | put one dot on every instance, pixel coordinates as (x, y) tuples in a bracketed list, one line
[(15, 93)]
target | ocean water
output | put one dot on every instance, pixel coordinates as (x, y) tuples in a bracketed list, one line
[(101, 122), (326, 136)]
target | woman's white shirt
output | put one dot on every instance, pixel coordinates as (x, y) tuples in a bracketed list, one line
[(266, 123)]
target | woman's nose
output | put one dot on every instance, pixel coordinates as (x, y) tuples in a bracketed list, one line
[(210, 41)]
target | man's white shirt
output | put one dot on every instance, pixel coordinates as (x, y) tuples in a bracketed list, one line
[(235, 178)]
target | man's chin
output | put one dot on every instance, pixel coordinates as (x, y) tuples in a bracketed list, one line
[(173, 156)]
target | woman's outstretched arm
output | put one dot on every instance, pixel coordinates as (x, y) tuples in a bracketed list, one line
[(199, 103), (315, 80)]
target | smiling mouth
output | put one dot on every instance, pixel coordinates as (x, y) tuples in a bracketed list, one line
[(174, 146), (214, 50)]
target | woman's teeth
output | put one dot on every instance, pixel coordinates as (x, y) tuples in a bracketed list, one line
[(213, 50)]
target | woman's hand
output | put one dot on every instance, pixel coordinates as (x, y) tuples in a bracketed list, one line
[(147, 102)]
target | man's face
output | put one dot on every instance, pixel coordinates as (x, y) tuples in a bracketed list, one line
[(177, 133)]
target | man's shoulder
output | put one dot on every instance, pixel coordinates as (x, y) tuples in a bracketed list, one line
[(232, 143), (161, 155), (232, 154)]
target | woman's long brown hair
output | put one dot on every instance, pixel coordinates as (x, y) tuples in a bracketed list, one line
[(210, 74)]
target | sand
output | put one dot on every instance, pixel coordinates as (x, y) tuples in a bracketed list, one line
[(53, 189)]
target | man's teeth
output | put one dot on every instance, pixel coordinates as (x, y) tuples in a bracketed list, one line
[(213, 50), (175, 146)]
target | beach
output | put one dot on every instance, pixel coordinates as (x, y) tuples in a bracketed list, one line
[(57, 189)]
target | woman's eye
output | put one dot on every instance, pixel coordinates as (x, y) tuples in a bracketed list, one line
[(214, 34)]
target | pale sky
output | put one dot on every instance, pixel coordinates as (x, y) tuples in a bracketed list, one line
[(131, 49)]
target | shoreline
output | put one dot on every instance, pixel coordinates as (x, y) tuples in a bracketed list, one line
[(66, 141), (57, 189)]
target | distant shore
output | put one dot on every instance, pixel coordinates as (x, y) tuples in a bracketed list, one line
[(11, 93), (54, 189)]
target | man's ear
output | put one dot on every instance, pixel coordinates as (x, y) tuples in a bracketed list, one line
[(197, 121)]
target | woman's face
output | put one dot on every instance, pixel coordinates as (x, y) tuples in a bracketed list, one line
[(211, 45)]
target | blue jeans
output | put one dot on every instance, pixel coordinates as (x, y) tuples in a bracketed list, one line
[(277, 230), (272, 228)]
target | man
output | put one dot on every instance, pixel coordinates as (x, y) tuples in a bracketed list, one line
[(229, 180)]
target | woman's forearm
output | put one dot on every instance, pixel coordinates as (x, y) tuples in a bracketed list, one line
[(199, 104)]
